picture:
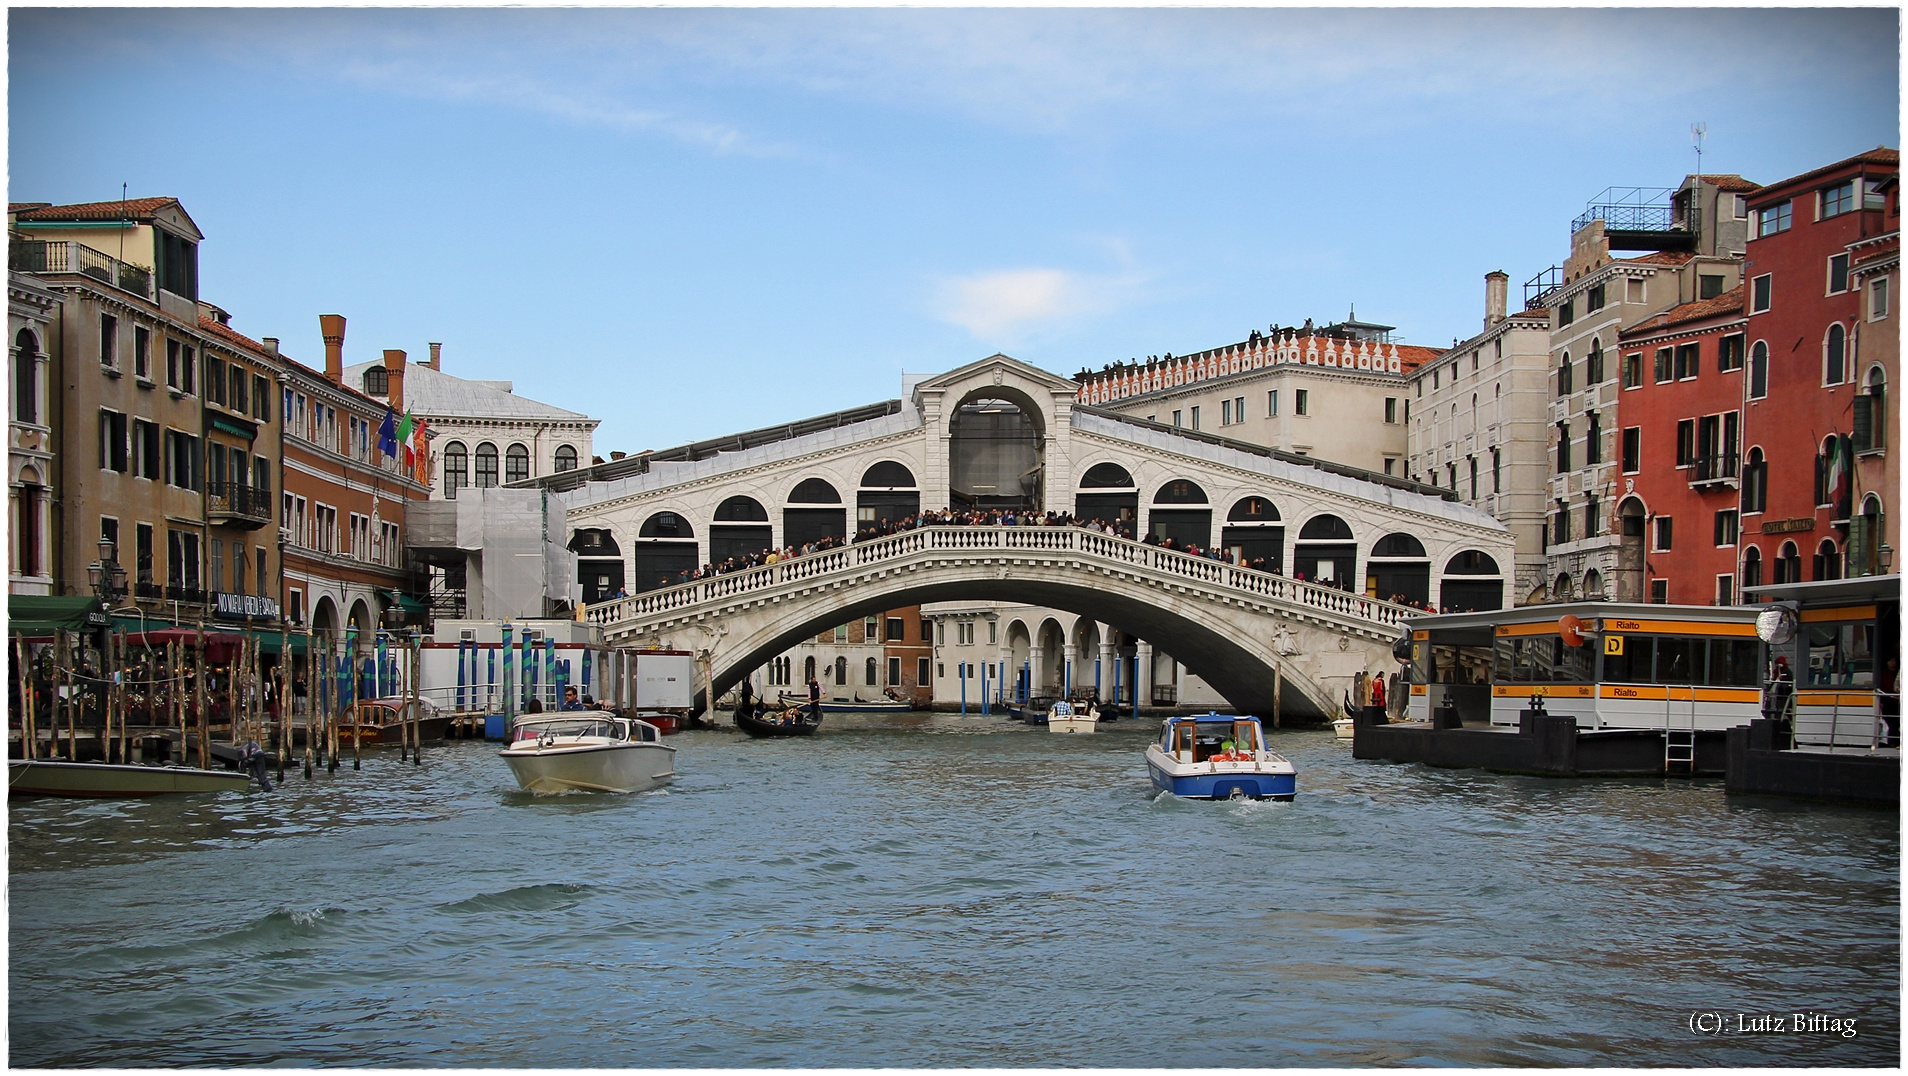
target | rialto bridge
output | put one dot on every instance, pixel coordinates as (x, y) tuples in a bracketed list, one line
[(1000, 433)]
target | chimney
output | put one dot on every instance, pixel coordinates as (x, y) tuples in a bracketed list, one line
[(332, 326), (1496, 296), (437, 357), (394, 379), (271, 345)]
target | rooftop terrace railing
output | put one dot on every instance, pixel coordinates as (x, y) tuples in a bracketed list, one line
[(1630, 209), (69, 256)]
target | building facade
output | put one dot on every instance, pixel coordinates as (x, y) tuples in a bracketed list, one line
[(1477, 426), (1336, 393), (346, 498), (1818, 489), (32, 313), (1693, 235)]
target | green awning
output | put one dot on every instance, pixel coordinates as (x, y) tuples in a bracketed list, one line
[(35, 614)]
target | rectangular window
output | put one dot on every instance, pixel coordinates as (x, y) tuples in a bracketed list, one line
[(1878, 299), (172, 364), (927, 631), (1686, 443), (1837, 200), (1633, 291), (1774, 219), (1759, 294), (1688, 360), (1179, 419), (263, 575), (1225, 412), (1837, 274), (214, 380), (1301, 402), (897, 630), (216, 565), (112, 441), (993, 631), (920, 670), (1726, 527), (1593, 440), (1632, 370), (1665, 533), (1729, 351), (1591, 516), (1632, 449), (1659, 592), (894, 672), (241, 386), (142, 353), (1391, 409), (1709, 285), (1593, 300), (145, 448), (1195, 417), (1560, 524), (1272, 401), (841, 633), (109, 341), (1664, 372), (1725, 590), (142, 552), (1563, 449), (261, 398), (1566, 314), (1238, 409)]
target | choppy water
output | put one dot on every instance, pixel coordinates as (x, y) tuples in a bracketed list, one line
[(947, 892)]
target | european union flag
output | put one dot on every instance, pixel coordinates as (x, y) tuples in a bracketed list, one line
[(387, 434)]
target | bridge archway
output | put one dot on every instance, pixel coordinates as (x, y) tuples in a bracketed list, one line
[(1255, 535), (804, 521), (1172, 517), (1399, 566), (888, 494), (665, 547), (1326, 552), (996, 450), (1472, 583), (1114, 497), (740, 529), (599, 563)]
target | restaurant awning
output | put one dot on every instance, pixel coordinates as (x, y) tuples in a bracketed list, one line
[(36, 614)]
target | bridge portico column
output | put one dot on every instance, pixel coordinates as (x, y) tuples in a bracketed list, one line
[(1069, 667), (1143, 683), (1105, 692), (1036, 669)]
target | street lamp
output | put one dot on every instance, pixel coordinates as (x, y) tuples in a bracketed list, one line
[(1885, 556), (106, 576)]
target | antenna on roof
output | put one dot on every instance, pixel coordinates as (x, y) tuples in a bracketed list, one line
[(122, 222), (1697, 131)]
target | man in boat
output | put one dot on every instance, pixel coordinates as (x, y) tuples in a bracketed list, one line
[(570, 700), (747, 693), (814, 698)]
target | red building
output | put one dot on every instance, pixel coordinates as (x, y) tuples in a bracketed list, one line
[(1679, 449), (1808, 378)]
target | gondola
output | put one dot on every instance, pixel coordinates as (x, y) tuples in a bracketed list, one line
[(759, 721)]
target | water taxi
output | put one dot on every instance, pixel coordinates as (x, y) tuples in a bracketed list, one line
[(1219, 756), (1072, 716), (588, 751)]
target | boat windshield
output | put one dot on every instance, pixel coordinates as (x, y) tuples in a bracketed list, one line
[(580, 725), (1197, 741)]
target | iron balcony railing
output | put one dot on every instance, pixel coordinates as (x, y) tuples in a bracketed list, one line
[(1630, 209), (1539, 287), (149, 591), (68, 256), (1721, 467), (240, 499), (189, 595)]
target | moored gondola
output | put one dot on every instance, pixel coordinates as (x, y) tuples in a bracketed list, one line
[(759, 720)]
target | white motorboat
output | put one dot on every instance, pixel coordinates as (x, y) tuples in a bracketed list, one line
[(588, 751), (1066, 716), (1343, 727), (1219, 756)]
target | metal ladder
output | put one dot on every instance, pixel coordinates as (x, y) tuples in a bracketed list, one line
[(1679, 745)]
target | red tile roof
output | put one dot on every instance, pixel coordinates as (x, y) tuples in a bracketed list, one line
[(230, 335), (1659, 257), (1731, 182), (1879, 155), (131, 208), (1729, 302)]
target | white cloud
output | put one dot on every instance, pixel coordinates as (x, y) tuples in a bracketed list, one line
[(1000, 307)]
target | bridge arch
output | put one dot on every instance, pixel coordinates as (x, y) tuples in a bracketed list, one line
[(1254, 534), (996, 445), (1398, 569), (1326, 551), (665, 547), (1108, 493), (888, 495), (1172, 517), (804, 521), (1472, 582), (740, 528)]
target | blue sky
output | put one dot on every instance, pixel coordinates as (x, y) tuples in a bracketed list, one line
[(694, 222)]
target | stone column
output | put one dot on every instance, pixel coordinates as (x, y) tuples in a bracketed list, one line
[(1107, 658), (1036, 670), (1069, 660), (1143, 685)]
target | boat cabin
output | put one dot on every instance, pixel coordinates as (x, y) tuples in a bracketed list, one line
[(1608, 664), (1833, 640), (1200, 737)]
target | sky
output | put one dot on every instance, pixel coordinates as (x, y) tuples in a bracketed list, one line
[(693, 222)]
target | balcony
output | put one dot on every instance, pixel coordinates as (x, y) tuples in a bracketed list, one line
[(1719, 470), (237, 503), (185, 594), (54, 256), (1637, 218), (148, 591)]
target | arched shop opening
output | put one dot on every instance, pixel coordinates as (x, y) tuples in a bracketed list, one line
[(1326, 552), (665, 548), (1254, 534), (804, 522), (1399, 570), (740, 529)]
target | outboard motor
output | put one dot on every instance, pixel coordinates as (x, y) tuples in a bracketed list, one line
[(252, 760)]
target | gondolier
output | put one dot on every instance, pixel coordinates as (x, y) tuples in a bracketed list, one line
[(814, 698)]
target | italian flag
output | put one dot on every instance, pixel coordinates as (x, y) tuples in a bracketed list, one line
[(1838, 473)]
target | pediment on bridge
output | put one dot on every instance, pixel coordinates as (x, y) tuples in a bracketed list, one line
[(997, 369)]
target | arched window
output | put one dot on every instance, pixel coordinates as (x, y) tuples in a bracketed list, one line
[(888, 475), (377, 381), (456, 468), (1788, 565), (1759, 370), (872, 674), (1180, 491), (516, 463), (1751, 568), (1828, 561), (26, 378), (1755, 483), (1560, 591), (814, 491), (1864, 538), (1326, 528), (1106, 476), (841, 670), (486, 465), (740, 509), (1253, 510), (666, 525), (1835, 355), (808, 669), (1563, 376), (565, 458), (1593, 369), (1871, 418)]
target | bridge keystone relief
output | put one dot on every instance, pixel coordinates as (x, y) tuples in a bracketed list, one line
[(1004, 435)]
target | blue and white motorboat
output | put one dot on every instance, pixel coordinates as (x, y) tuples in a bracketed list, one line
[(1216, 756)]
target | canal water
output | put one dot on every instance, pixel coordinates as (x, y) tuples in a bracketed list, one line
[(937, 891)]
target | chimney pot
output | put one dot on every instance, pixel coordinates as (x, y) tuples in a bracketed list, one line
[(332, 327), (271, 344), (1496, 297), (394, 379)]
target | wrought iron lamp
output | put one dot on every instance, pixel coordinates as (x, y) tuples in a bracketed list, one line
[(108, 579)]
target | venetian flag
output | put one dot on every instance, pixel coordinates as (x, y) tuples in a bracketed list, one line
[(421, 457)]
